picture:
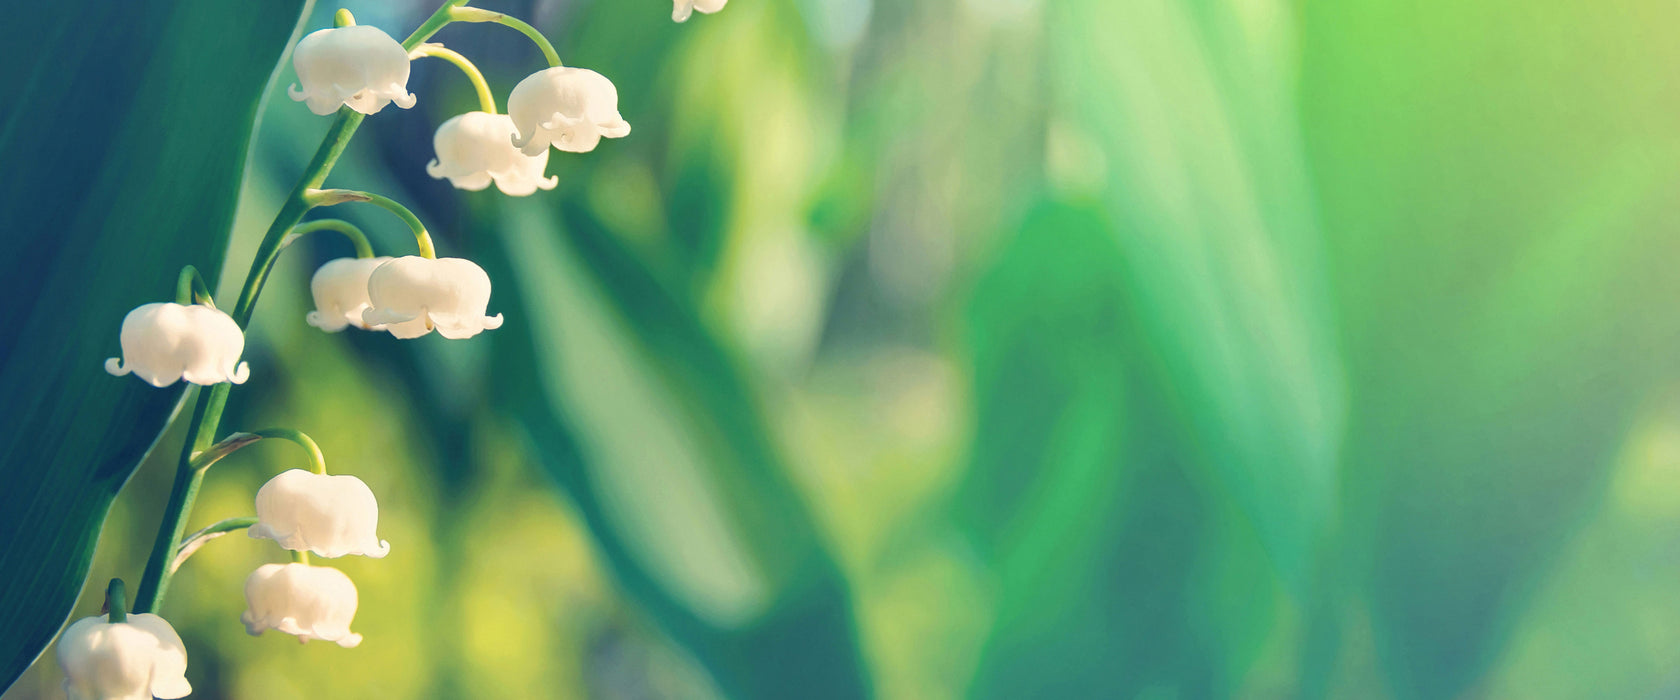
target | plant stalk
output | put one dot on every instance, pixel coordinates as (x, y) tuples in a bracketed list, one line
[(207, 413)]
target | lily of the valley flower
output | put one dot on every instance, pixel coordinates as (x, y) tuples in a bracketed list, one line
[(310, 602), (686, 7), (166, 342), (340, 288), (570, 108), (136, 659), (329, 515), (476, 148), (412, 295), (358, 66)]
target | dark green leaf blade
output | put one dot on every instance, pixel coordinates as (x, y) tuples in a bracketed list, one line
[(125, 147)]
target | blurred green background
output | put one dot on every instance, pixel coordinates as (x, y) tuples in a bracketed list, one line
[(997, 349)]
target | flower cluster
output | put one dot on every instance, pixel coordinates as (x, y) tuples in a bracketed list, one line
[(331, 516), (352, 71)]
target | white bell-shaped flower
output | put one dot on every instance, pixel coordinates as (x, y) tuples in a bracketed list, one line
[(137, 659), (166, 342), (340, 288), (685, 8), (358, 66), (476, 148), (570, 108), (309, 602), (412, 295), (330, 515)]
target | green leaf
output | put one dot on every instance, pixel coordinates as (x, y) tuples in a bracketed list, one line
[(673, 473), (1120, 572), (1045, 323), (125, 139), (1187, 122), (1500, 205)]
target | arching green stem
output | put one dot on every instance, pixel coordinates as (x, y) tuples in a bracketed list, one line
[(191, 289), (200, 538), (357, 238), (327, 198), (207, 412), (473, 14), (214, 454), (116, 602), (317, 461), (486, 101)]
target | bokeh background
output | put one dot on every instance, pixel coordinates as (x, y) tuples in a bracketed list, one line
[(998, 349)]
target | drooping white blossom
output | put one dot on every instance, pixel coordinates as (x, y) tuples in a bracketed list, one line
[(137, 659), (340, 288), (358, 66), (686, 7), (476, 148), (309, 602), (412, 295), (330, 515), (570, 108), (166, 342)]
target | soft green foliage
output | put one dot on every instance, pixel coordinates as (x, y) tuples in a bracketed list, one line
[(959, 348), (120, 171)]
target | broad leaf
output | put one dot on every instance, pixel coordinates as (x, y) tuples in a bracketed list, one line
[(1500, 209), (1205, 178), (124, 140), (689, 506)]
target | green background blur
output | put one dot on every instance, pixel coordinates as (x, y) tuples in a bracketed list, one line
[(999, 349)]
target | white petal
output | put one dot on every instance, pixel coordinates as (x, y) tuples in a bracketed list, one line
[(568, 107), (358, 66), (330, 515), (139, 659), (310, 602), (165, 342), (411, 296), (340, 291)]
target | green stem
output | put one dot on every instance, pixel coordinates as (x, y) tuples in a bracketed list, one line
[(216, 452), (191, 289), (438, 20), (358, 239), (338, 136), (198, 539), (473, 14), (486, 101), (207, 413), (300, 556), (317, 461), (327, 198), (225, 526), (116, 602), (232, 443)]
